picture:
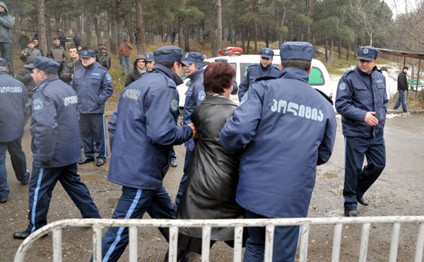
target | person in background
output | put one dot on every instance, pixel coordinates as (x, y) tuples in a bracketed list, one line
[(264, 68), (55, 146), (37, 46), (124, 56), (77, 42), (150, 62), (13, 111), (6, 24), (102, 57), (62, 39), (25, 77), (362, 101), (30, 53), (284, 128), (23, 40), (70, 67), (94, 86), (138, 71), (142, 131), (57, 53), (402, 87)]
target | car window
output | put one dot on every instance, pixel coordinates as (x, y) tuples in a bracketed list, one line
[(243, 68), (315, 77)]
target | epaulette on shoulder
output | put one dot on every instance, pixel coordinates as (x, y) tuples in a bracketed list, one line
[(261, 78)]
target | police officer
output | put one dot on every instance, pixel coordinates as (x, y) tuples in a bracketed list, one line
[(361, 100), (94, 86), (286, 129), (195, 95), (264, 68), (142, 131), (13, 110), (150, 62), (55, 146)]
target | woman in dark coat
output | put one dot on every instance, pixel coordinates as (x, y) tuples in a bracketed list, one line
[(213, 173)]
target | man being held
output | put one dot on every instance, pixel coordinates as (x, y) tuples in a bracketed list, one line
[(93, 85), (285, 129), (362, 101)]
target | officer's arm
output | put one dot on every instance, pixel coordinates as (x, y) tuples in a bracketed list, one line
[(326, 147), (112, 127), (161, 126), (235, 88), (241, 127), (107, 90), (44, 128), (344, 103), (244, 85)]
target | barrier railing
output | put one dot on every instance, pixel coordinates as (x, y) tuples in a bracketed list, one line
[(238, 225)]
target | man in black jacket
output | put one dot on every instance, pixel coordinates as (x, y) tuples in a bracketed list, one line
[(402, 88)]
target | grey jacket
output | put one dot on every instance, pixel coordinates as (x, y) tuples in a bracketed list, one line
[(6, 23)]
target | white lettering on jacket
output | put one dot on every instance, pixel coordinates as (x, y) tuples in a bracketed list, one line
[(10, 89), (297, 110), (132, 94), (70, 100)]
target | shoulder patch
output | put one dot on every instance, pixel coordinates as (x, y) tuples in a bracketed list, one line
[(342, 86), (37, 104), (201, 95), (108, 77), (174, 105)]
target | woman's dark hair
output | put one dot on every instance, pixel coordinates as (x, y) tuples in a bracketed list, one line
[(217, 77)]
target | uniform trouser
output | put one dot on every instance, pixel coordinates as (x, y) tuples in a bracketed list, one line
[(17, 157), (401, 100), (6, 53), (358, 179), (133, 203), (43, 181), (284, 246), (93, 133), (187, 163)]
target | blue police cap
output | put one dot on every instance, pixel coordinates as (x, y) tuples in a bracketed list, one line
[(2, 62), (168, 54), (266, 53), (221, 59), (367, 53), (150, 57), (87, 53), (45, 64), (297, 51), (193, 57)]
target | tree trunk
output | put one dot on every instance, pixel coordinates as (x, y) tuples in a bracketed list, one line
[(218, 28), (139, 27), (255, 28), (42, 30), (339, 49), (348, 52), (326, 50)]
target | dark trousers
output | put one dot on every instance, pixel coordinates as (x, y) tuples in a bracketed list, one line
[(43, 181), (93, 133), (6, 53), (284, 246), (133, 203), (358, 179), (187, 163)]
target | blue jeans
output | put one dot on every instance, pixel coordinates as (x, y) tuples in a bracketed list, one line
[(284, 246), (401, 100), (133, 203), (357, 179), (6, 53), (125, 62)]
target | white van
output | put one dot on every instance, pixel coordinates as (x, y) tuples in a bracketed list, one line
[(318, 78)]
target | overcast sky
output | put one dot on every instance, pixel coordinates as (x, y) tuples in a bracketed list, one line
[(398, 6)]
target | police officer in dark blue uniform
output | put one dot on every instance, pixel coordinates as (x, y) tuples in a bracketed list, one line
[(264, 68), (94, 86), (285, 129), (142, 131), (361, 100), (13, 110), (55, 146), (195, 95)]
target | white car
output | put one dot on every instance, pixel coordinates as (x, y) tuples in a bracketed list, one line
[(318, 78)]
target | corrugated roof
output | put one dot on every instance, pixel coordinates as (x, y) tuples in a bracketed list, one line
[(416, 55)]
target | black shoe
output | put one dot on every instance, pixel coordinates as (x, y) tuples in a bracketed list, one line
[(362, 201), (100, 162), (21, 235), (25, 181), (351, 213), (85, 160), (3, 199)]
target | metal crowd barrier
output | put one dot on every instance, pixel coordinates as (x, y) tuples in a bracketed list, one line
[(238, 225)]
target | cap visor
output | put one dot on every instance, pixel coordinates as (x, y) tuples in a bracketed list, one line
[(364, 58), (266, 56), (186, 63), (29, 66)]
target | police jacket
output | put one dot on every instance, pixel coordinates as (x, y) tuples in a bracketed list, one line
[(143, 129), (285, 129), (194, 96), (254, 71), (210, 191), (94, 86), (57, 53), (13, 108), (69, 69), (402, 82), (357, 94), (6, 23), (54, 124)]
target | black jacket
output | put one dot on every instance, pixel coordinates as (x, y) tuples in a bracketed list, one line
[(213, 175), (402, 81)]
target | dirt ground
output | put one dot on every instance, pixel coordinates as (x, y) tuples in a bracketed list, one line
[(399, 191)]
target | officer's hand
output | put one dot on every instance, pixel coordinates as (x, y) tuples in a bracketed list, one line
[(370, 119), (193, 128)]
